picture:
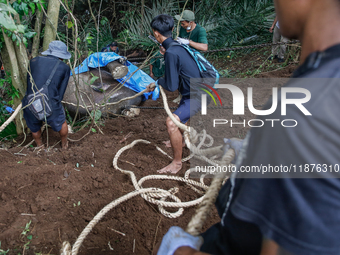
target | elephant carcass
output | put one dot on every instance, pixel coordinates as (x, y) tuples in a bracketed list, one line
[(88, 96)]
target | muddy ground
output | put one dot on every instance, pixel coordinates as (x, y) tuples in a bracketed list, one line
[(59, 192)]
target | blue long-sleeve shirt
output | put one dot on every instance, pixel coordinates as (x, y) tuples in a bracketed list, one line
[(179, 68), (41, 68)]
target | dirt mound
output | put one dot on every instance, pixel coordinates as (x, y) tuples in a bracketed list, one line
[(59, 192)]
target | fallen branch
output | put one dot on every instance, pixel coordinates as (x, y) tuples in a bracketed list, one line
[(17, 110)]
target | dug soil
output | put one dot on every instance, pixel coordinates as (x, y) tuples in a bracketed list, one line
[(59, 192)]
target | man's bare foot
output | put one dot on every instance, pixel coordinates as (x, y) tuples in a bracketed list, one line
[(64, 146), (173, 168), (168, 144)]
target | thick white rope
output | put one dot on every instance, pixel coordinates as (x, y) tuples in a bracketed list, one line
[(196, 223), (150, 194), (66, 248)]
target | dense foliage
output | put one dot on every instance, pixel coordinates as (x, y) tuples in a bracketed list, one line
[(228, 22)]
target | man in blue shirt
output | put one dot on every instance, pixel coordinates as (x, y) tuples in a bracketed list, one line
[(179, 68), (112, 47), (41, 67), (286, 215)]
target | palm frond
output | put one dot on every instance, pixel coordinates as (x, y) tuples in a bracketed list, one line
[(137, 29)]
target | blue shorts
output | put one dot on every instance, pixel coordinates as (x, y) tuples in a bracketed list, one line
[(187, 108), (35, 125)]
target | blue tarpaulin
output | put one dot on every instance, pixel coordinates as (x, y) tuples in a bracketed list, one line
[(138, 82), (9, 109)]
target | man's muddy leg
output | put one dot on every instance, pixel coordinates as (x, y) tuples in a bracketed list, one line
[(176, 139), (63, 135), (37, 138), (168, 143)]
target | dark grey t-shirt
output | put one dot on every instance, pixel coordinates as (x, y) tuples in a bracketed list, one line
[(302, 215)]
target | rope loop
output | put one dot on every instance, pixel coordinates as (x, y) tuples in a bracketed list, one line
[(167, 198)]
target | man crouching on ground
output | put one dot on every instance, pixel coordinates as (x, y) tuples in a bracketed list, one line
[(179, 68), (41, 68)]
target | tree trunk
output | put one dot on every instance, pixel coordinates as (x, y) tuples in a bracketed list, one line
[(16, 80), (7, 65), (15, 71), (20, 122), (37, 29), (22, 60), (51, 23)]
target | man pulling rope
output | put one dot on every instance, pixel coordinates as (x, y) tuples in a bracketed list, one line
[(283, 214)]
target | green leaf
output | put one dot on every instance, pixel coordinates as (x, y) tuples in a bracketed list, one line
[(69, 24), (24, 41), (93, 130), (78, 203), (39, 7), (93, 79), (14, 37), (32, 6), (21, 29), (7, 22), (44, 3), (7, 8), (29, 237), (29, 34), (103, 21), (24, 8), (96, 114)]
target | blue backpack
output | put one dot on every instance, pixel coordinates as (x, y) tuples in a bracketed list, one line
[(207, 70)]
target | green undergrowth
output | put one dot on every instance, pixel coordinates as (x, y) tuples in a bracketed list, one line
[(7, 95)]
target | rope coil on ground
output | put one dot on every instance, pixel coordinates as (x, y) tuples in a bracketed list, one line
[(150, 194)]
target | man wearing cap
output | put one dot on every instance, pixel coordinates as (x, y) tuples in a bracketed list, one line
[(191, 33), (180, 67), (112, 47), (40, 69), (287, 213)]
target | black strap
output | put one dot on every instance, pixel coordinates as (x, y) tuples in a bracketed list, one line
[(48, 82), (177, 43)]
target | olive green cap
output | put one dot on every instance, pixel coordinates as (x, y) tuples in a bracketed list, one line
[(187, 15)]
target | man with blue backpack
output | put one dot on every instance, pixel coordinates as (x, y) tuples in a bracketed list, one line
[(285, 213), (181, 65)]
